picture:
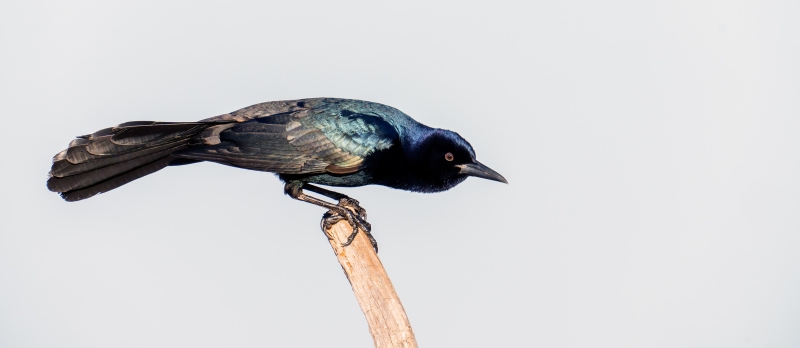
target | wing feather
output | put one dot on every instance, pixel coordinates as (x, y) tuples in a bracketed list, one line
[(292, 137)]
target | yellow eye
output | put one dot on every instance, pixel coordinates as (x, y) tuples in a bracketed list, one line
[(449, 157)]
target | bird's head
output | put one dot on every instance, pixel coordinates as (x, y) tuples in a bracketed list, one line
[(446, 159)]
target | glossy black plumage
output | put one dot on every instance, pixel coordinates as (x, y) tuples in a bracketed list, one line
[(334, 142)]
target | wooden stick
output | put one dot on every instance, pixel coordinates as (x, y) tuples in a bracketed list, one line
[(385, 315)]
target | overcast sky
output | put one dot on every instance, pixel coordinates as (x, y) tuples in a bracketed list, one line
[(652, 150)]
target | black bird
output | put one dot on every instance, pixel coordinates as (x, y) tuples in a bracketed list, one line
[(326, 141)]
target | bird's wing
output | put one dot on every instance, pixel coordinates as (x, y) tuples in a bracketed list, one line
[(340, 137), (300, 140)]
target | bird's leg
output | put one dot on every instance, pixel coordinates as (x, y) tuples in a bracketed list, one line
[(336, 212), (344, 201)]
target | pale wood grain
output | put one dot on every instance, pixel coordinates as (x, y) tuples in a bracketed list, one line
[(385, 315)]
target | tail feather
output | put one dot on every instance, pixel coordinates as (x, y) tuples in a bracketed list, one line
[(106, 146), (93, 176), (112, 157), (156, 133), (117, 181), (64, 167)]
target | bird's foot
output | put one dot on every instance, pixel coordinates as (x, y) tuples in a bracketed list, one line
[(329, 219), (361, 218), (349, 210), (348, 202)]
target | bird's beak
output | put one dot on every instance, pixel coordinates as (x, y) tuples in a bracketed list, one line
[(479, 170)]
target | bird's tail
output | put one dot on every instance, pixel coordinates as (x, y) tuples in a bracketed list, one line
[(115, 156)]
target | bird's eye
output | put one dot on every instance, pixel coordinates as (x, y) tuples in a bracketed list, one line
[(449, 157)]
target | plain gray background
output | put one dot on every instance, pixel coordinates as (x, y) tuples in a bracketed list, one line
[(652, 150)]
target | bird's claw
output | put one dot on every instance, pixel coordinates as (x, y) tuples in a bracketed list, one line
[(355, 217), (348, 202), (329, 219)]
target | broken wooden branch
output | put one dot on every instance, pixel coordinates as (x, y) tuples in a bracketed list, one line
[(385, 315)]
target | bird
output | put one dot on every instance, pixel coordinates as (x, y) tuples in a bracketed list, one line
[(306, 142)]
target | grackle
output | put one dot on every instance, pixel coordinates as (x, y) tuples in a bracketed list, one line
[(325, 141)]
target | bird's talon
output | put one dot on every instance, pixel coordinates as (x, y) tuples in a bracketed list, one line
[(367, 226), (348, 202), (348, 209), (329, 219)]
